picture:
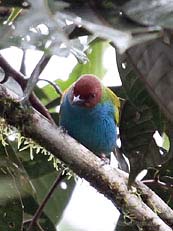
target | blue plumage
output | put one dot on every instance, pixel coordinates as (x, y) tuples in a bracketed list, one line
[(93, 127)]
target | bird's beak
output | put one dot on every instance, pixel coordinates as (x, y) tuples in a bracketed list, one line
[(77, 100)]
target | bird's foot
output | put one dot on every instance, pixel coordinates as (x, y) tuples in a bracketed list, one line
[(105, 160)]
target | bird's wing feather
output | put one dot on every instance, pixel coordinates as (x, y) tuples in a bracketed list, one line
[(109, 95)]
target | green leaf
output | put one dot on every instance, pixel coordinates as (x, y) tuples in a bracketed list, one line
[(166, 142), (59, 200), (40, 93), (125, 224), (11, 207), (140, 118), (11, 213), (93, 66), (50, 95), (32, 168), (153, 64), (31, 205), (42, 174)]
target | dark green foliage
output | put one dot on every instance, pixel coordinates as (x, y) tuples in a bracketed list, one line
[(125, 224), (24, 183), (140, 119), (15, 3)]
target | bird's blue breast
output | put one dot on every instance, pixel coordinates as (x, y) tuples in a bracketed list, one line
[(95, 127)]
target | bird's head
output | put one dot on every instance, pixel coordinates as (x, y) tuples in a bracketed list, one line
[(87, 91)]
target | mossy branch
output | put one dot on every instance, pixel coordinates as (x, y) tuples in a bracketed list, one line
[(153, 215)]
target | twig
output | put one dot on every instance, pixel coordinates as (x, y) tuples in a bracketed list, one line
[(32, 81), (57, 88), (20, 78), (40, 209), (159, 183), (23, 66), (27, 222), (155, 202)]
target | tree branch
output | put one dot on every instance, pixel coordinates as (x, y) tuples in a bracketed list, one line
[(20, 78), (110, 182), (40, 209), (32, 81), (155, 203)]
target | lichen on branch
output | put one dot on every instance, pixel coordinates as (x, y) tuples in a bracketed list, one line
[(110, 182)]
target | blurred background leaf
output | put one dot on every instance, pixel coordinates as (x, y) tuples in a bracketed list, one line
[(150, 12), (15, 3), (42, 174)]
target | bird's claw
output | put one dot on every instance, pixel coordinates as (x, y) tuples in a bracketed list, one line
[(104, 159)]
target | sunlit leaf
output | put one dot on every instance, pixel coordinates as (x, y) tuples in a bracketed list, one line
[(93, 66), (41, 95), (166, 142)]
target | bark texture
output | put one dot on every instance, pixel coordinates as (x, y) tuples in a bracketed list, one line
[(153, 215)]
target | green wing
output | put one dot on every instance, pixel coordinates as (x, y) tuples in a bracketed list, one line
[(110, 95)]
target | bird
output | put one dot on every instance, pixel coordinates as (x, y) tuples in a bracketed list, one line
[(89, 112)]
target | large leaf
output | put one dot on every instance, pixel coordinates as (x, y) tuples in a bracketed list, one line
[(31, 166), (42, 175), (153, 63), (105, 20), (18, 197), (94, 65), (31, 205), (11, 208), (57, 203), (150, 12), (34, 179), (19, 190), (140, 118), (160, 179)]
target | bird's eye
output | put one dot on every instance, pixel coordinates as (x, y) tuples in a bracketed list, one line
[(92, 95)]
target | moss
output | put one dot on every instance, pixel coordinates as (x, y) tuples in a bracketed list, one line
[(14, 113)]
